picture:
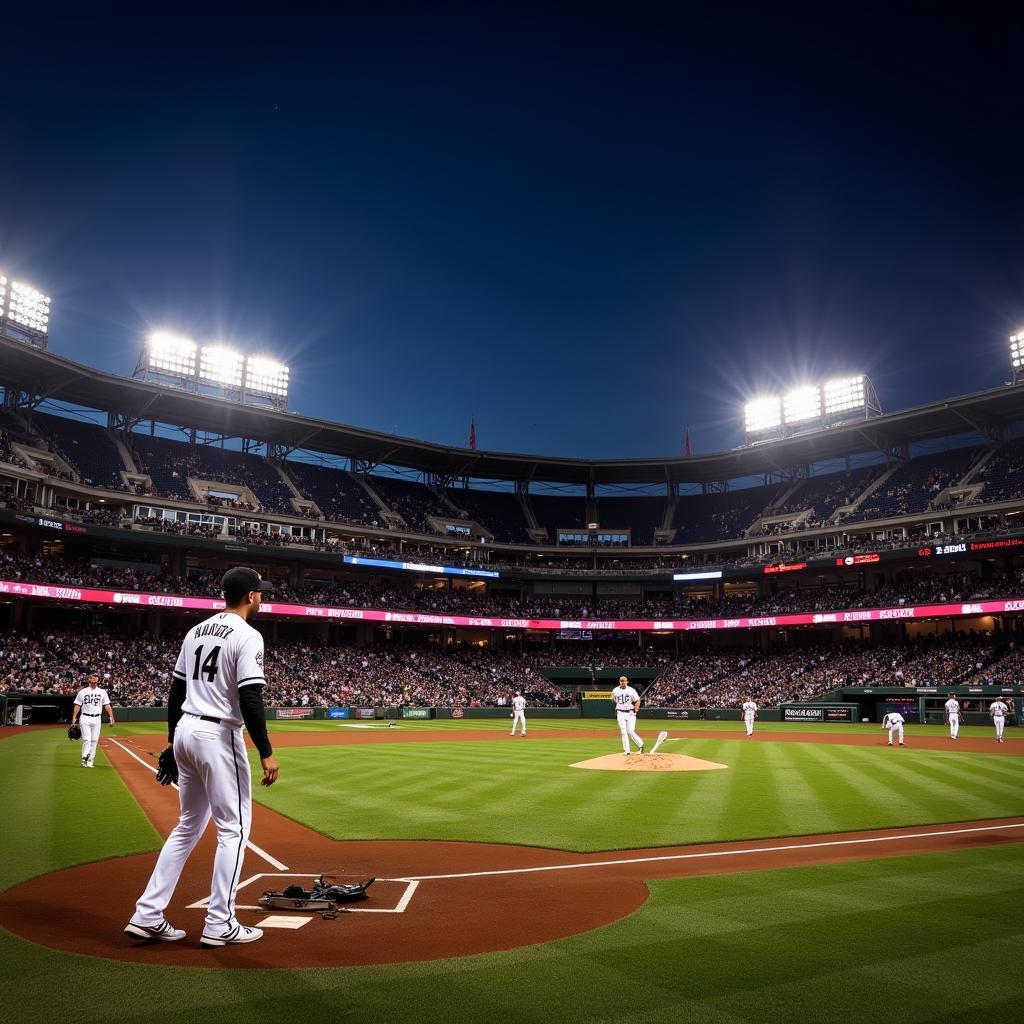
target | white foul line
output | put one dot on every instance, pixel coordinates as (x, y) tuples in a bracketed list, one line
[(272, 861), (715, 853)]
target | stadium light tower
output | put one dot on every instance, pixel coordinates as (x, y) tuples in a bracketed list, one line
[(221, 366), (1017, 355), (24, 312), (850, 398), (216, 369), (267, 379), (762, 417), (802, 405)]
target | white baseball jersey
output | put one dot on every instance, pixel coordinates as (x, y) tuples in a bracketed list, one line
[(952, 706), (217, 657), (749, 707), (624, 698), (519, 704), (892, 719), (998, 709), (92, 701)]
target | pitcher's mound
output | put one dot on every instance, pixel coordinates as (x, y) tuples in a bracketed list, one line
[(649, 763)]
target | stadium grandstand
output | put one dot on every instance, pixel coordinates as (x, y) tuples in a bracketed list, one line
[(886, 550)]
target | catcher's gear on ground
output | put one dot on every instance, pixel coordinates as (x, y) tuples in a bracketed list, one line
[(74, 731), (322, 897), (167, 772)]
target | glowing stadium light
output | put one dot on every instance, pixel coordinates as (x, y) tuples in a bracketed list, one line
[(265, 376), (802, 404), (220, 365), (171, 353), (1017, 351), (844, 395), (762, 414), (25, 309)]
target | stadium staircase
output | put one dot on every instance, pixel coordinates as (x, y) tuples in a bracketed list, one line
[(391, 518), (847, 510), (302, 505)]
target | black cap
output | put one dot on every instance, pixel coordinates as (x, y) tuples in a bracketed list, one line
[(241, 580)]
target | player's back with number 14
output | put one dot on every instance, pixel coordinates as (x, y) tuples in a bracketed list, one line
[(217, 685)]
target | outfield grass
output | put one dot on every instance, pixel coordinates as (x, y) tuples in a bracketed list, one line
[(516, 792)]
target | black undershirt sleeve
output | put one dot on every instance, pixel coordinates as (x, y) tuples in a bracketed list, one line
[(250, 700), (175, 699)]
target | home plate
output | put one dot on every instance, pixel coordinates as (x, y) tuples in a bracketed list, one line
[(280, 921), (649, 763)]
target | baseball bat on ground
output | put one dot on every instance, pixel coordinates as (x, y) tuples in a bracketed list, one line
[(662, 736)]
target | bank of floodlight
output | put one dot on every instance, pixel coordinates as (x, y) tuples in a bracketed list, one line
[(168, 353), (220, 365), (762, 415), (28, 307), (845, 395), (266, 377), (1017, 353), (802, 404)]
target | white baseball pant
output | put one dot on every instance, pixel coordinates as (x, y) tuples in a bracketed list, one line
[(954, 726), (748, 720), (896, 730), (90, 725), (518, 716), (627, 726), (214, 781), (999, 721)]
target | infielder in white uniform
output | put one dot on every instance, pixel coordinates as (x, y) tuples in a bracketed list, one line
[(953, 716), (217, 685), (893, 721), (518, 713), (87, 711), (627, 703), (997, 709), (749, 709)]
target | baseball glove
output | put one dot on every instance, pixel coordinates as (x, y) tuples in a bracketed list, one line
[(74, 731), (167, 772)]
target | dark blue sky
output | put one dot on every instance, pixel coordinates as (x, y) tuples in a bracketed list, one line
[(586, 232)]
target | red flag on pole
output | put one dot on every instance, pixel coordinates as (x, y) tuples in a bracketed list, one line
[(472, 435), (687, 443)]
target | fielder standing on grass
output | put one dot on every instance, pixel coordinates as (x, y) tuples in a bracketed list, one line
[(87, 711), (953, 716), (997, 709), (518, 713), (627, 703), (749, 709), (217, 685)]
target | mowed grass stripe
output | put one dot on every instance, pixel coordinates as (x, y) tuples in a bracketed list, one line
[(512, 792), (57, 813), (915, 786)]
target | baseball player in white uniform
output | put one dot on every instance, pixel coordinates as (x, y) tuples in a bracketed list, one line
[(749, 709), (87, 711), (997, 709), (627, 703), (953, 716), (518, 713), (217, 685), (893, 721)]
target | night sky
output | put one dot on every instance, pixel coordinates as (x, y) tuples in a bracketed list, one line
[(586, 232)]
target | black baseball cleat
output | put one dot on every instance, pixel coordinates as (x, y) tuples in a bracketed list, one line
[(234, 936), (162, 932)]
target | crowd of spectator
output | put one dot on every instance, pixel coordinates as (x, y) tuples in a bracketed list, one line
[(726, 679), (136, 670)]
